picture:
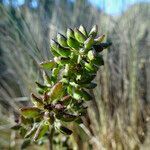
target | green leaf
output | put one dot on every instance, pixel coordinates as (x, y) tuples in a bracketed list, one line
[(31, 131), (89, 86), (89, 42), (62, 40), (100, 47), (64, 52), (91, 54), (57, 91), (55, 72), (41, 88), (54, 52), (94, 31), (86, 96), (100, 39), (26, 121), (70, 33), (83, 30), (40, 132), (25, 143), (16, 127), (47, 79), (66, 117), (80, 37), (36, 101), (73, 43), (48, 64), (64, 130), (98, 60), (30, 112), (91, 68), (22, 131)]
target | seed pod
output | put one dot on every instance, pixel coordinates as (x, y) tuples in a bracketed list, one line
[(91, 54), (64, 130), (40, 132), (80, 37), (101, 47), (30, 112), (83, 30), (48, 64), (70, 33), (66, 117), (100, 39), (89, 43), (38, 102), (57, 91), (94, 31), (62, 40), (31, 131), (73, 43)]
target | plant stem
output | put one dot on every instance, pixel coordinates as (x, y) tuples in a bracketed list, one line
[(50, 138)]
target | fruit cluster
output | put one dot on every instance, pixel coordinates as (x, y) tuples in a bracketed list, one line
[(63, 94)]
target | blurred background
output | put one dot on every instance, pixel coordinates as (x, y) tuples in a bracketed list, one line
[(120, 115)]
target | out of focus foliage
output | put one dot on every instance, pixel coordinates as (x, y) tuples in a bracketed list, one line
[(119, 118)]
